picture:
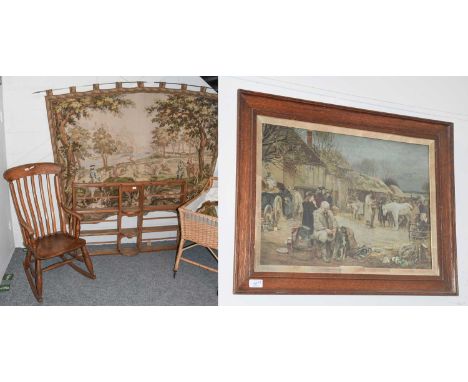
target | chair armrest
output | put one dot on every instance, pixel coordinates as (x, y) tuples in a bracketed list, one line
[(72, 213), (74, 222), (26, 226), (28, 232)]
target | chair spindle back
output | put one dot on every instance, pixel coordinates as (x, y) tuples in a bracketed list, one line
[(35, 190)]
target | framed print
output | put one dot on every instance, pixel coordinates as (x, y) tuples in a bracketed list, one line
[(338, 200)]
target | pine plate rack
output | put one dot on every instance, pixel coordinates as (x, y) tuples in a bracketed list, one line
[(104, 203)]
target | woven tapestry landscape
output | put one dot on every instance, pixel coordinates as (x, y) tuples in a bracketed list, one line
[(134, 134)]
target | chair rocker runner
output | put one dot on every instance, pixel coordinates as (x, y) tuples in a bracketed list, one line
[(49, 229)]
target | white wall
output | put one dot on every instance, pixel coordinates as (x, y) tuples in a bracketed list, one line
[(6, 234), (436, 98), (25, 115)]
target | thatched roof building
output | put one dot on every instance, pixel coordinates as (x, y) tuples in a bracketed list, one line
[(399, 193), (365, 183)]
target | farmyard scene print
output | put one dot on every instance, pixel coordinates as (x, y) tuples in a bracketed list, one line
[(134, 134), (338, 200)]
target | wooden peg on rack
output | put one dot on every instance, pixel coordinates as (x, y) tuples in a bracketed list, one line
[(118, 85), (72, 89), (96, 87)]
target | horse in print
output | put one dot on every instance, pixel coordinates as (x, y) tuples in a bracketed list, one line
[(397, 210)]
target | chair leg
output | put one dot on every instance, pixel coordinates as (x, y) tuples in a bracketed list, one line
[(38, 271), (179, 255), (88, 262), (27, 259), (29, 276)]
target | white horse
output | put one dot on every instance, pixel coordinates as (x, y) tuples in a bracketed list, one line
[(296, 204), (397, 210)]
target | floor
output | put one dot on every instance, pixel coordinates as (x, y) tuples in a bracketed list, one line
[(145, 279)]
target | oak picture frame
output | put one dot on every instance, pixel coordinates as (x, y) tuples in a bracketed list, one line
[(248, 281)]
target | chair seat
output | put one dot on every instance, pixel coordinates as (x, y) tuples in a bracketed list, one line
[(57, 244)]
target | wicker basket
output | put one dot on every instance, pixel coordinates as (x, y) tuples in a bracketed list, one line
[(200, 229)]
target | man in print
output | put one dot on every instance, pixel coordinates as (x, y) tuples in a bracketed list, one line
[(329, 198), (370, 209), (304, 233), (319, 197), (324, 229), (423, 210), (308, 207)]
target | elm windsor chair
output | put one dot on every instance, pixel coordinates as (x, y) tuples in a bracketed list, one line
[(49, 229)]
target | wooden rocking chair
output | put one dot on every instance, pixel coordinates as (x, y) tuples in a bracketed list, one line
[(40, 212)]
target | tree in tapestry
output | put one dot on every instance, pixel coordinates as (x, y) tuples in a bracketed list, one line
[(185, 122)]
